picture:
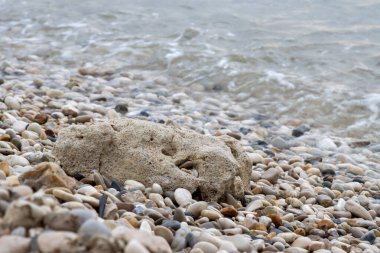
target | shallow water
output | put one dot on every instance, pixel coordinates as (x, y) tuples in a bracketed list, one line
[(316, 61)]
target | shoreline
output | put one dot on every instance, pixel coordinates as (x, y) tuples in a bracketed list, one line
[(308, 192)]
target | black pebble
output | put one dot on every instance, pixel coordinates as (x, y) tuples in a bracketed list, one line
[(116, 186), (121, 108), (102, 205), (144, 113), (299, 131)]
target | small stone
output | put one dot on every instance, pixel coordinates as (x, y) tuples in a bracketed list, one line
[(255, 158), (24, 213), (164, 232), (83, 119), (156, 188), (12, 181), (61, 221), (357, 232), (91, 228), (276, 219), (70, 111), (241, 242), (41, 118), (121, 108), (158, 199), (357, 210), (144, 226), (38, 83), (299, 131), (15, 160), (179, 215), (314, 171), (4, 166), (369, 236), (14, 244), (289, 237), (5, 137), (53, 93), (326, 224), (132, 196), (226, 223), (134, 246), (173, 224), (280, 143), (335, 249), (65, 196), (324, 200), (179, 241), (206, 247), (254, 205), (22, 190), (327, 144), (35, 128), (182, 196), (196, 208), (259, 226), (19, 126), (133, 184), (356, 170), (315, 245), (48, 175), (229, 211), (12, 103), (212, 215), (272, 175), (54, 241), (279, 246)]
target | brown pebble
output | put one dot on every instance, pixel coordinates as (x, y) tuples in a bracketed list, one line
[(4, 166), (69, 112), (5, 137), (41, 118), (326, 224), (125, 206), (234, 135), (133, 221), (83, 119), (300, 231), (83, 71), (259, 226), (276, 219), (229, 211)]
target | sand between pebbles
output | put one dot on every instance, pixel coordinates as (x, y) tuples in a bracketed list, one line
[(308, 192)]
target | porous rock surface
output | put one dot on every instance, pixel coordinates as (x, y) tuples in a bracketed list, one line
[(155, 153)]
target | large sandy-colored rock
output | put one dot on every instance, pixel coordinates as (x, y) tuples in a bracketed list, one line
[(155, 153)]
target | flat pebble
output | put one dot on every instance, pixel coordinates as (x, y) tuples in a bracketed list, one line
[(212, 215), (164, 232), (91, 228), (57, 241), (182, 196), (134, 246), (197, 207), (357, 210), (206, 247), (14, 244)]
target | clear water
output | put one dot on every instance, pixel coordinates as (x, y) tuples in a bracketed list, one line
[(316, 61)]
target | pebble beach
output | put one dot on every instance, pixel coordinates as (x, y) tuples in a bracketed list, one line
[(310, 190)]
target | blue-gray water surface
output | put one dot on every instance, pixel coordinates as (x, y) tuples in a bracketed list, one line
[(316, 61)]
